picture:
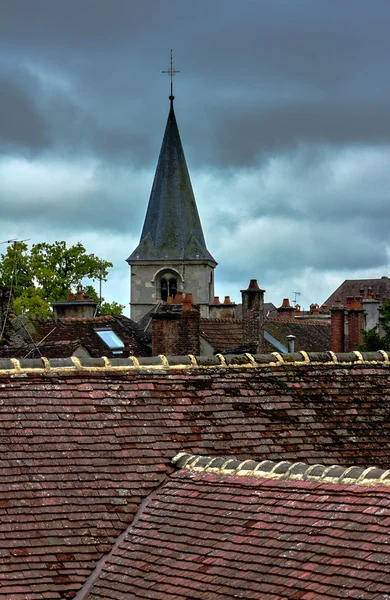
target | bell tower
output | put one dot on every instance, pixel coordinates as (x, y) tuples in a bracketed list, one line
[(172, 255)]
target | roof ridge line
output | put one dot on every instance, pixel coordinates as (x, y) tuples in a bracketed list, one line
[(221, 361), (283, 470)]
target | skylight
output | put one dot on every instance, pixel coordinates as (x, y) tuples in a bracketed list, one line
[(110, 338)]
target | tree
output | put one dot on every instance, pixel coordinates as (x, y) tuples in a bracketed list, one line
[(47, 273), (106, 308)]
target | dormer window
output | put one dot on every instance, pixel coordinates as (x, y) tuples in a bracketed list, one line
[(111, 340)]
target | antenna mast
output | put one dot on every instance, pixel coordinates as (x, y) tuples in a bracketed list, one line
[(296, 296)]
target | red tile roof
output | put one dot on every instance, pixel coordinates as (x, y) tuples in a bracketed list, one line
[(215, 533), (82, 330), (226, 335), (222, 334), (353, 287), (82, 444), (310, 335)]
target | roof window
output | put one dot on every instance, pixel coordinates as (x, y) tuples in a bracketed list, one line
[(110, 338)]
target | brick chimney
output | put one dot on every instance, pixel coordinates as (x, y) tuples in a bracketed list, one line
[(355, 322), (253, 317), (77, 305), (222, 310), (337, 327), (286, 310), (176, 329)]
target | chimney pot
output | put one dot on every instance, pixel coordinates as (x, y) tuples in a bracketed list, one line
[(178, 299), (80, 292), (253, 285), (216, 300), (286, 303), (227, 300), (188, 302)]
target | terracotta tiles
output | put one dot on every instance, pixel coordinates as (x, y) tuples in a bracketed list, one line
[(310, 335), (354, 287), (81, 331), (212, 535), (222, 334), (83, 444)]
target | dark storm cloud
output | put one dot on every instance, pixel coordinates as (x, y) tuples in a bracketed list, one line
[(21, 124), (283, 109), (255, 80)]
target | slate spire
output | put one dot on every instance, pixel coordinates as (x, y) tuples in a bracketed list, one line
[(172, 228)]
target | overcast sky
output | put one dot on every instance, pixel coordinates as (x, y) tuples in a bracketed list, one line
[(284, 112)]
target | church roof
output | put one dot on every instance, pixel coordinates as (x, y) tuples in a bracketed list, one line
[(172, 228)]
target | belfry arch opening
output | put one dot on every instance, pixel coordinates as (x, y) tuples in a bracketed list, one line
[(168, 282)]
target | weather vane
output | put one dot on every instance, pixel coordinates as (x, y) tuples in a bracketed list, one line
[(171, 72)]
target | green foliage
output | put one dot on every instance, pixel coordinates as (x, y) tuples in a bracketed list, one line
[(371, 341), (106, 308), (385, 323), (111, 308), (47, 273)]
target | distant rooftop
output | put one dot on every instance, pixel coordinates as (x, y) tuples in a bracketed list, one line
[(360, 287)]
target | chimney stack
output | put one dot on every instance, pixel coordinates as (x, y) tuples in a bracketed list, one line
[(355, 323), (314, 309), (337, 327), (222, 310), (253, 317), (286, 311), (176, 329), (77, 305)]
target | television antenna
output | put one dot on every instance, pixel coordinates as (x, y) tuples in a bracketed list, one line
[(296, 295)]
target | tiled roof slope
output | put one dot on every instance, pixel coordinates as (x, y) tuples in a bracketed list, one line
[(225, 335), (59, 349), (353, 287), (82, 329), (211, 534), (84, 442), (222, 334), (311, 336), (269, 310)]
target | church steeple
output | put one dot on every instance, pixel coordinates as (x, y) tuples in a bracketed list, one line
[(171, 256), (172, 229)]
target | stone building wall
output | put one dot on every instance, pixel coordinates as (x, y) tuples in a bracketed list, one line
[(193, 277)]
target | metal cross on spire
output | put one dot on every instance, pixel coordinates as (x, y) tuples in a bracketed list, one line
[(171, 72)]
